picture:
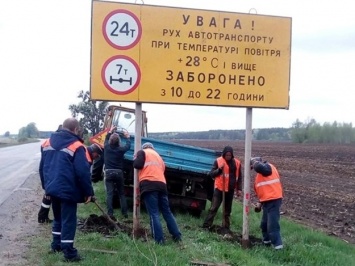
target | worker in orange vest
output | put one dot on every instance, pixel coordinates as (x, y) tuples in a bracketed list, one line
[(154, 192), (268, 189), (227, 172)]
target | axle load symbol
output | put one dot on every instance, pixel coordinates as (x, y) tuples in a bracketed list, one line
[(121, 80)]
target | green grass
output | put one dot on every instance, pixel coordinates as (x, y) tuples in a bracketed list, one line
[(303, 246), (7, 142)]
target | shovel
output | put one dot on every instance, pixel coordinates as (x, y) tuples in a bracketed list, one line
[(105, 214), (223, 204)]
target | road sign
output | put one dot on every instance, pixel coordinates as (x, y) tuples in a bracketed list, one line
[(120, 74), (99, 138), (189, 56), (122, 29)]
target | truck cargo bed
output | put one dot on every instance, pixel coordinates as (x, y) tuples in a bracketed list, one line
[(180, 157)]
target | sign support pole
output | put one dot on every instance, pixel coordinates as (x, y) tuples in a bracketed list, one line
[(246, 202), (137, 147)]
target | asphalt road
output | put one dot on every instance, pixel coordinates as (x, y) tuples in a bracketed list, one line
[(17, 163)]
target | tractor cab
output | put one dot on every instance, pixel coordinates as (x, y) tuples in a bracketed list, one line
[(124, 119)]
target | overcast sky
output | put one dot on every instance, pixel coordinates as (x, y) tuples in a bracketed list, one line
[(45, 62)]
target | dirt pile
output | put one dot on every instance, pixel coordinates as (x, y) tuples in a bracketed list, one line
[(102, 225), (231, 236)]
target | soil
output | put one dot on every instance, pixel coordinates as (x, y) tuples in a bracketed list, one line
[(101, 225), (18, 221), (318, 182)]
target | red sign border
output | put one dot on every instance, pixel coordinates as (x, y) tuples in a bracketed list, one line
[(126, 58), (130, 14)]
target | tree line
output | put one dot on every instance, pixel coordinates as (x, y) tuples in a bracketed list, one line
[(270, 134), (91, 114), (311, 131)]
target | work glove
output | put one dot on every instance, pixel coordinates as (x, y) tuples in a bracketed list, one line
[(211, 176), (93, 199), (257, 207), (113, 129)]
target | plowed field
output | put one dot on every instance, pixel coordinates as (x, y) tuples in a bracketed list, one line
[(318, 181)]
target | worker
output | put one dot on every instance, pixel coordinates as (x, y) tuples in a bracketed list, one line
[(114, 166), (95, 152), (153, 189), (227, 173), (43, 214), (65, 175), (268, 189)]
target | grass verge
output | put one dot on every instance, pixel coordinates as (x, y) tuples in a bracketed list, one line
[(7, 142), (303, 246)]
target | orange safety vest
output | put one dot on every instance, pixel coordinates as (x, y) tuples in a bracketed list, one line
[(218, 183), (268, 187), (154, 167), (46, 145)]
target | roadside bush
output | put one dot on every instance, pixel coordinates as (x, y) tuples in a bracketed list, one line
[(22, 139)]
